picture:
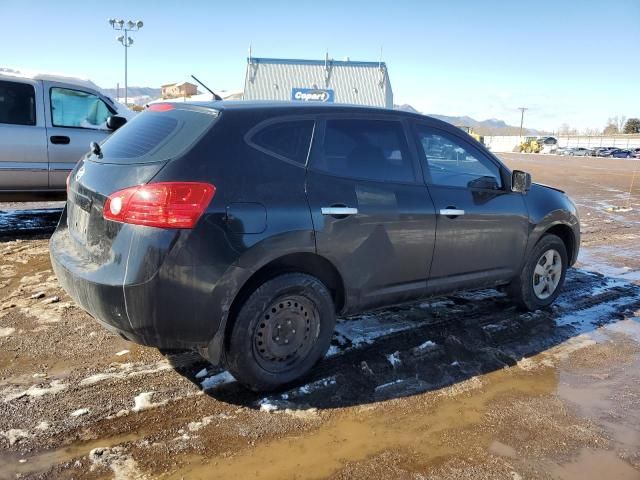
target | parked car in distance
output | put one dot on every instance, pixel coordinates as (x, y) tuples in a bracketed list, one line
[(605, 151), (46, 125), (242, 229), (578, 151), (621, 153), (562, 150)]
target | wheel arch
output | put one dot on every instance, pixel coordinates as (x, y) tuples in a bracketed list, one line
[(302, 262), (566, 234)]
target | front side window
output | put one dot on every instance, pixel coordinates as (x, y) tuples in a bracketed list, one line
[(75, 108), (367, 149), (17, 103), (288, 139), (450, 162)]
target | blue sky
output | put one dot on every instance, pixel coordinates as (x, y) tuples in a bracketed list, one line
[(569, 62)]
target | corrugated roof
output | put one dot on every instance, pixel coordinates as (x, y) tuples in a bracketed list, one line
[(355, 82)]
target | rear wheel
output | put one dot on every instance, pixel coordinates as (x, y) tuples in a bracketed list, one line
[(280, 332), (543, 275)]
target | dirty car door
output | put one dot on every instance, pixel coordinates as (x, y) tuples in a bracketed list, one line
[(373, 219), (482, 226), (75, 118)]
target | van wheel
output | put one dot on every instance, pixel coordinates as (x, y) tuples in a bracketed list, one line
[(281, 331), (543, 275)]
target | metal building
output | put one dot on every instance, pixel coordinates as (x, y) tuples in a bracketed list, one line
[(339, 81)]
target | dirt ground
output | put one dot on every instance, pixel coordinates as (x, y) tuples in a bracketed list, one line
[(451, 388)]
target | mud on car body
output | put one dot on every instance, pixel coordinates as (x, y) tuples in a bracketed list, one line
[(242, 229)]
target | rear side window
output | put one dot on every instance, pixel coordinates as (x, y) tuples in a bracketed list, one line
[(153, 136), (286, 139), (17, 103), (368, 149)]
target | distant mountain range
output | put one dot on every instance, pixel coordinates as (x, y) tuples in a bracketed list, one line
[(492, 126), (134, 92)]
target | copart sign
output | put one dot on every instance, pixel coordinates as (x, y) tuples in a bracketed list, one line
[(311, 95)]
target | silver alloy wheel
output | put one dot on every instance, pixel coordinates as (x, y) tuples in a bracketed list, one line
[(547, 274)]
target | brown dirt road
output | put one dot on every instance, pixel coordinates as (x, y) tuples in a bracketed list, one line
[(457, 387)]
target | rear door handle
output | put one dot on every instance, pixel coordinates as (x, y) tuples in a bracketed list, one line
[(338, 211), (60, 139), (451, 212)]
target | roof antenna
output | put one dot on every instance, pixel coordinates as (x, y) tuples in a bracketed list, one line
[(215, 95)]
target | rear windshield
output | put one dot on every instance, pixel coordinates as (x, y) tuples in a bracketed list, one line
[(153, 136)]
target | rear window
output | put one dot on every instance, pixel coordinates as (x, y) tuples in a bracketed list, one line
[(288, 139), (153, 136)]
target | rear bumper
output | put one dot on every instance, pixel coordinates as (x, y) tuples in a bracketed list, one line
[(166, 305)]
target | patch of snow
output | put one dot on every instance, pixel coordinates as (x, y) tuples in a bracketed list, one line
[(366, 329), (267, 406), (80, 412), (15, 435), (202, 373), (303, 414), (127, 370), (394, 359), (217, 380), (42, 426), (387, 385), (143, 402), (6, 331), (123, 466), (36, 391), (121, 353), (195, 426)]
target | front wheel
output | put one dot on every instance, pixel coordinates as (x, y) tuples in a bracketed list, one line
[(280, 332), (543, 275)]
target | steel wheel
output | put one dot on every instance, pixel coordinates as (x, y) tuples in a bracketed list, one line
[(547, 274), (286, 333)]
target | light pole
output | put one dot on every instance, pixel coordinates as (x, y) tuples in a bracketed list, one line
[(522, 109), (126, 42)]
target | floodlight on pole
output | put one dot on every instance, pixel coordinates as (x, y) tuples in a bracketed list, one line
[(126, 41), (522, 110)]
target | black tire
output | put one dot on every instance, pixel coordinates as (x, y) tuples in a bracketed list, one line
[(280, 332), (523, 290)]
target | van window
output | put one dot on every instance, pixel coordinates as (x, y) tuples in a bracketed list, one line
[(286, 139), (75, 108), (17, 103), (367, 149)]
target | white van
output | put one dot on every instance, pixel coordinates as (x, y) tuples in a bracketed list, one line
[(46, 125)]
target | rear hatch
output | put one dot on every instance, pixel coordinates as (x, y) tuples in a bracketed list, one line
[(132, 156)]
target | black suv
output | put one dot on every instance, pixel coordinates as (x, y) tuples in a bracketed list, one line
[(242, 229)]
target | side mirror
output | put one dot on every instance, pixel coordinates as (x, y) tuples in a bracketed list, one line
[(114, 122), (520, 181)]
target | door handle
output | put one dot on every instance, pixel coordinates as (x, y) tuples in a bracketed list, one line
[(451, 212), (60, 139), (341, 211)]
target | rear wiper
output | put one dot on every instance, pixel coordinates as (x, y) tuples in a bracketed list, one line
[(215, 95)]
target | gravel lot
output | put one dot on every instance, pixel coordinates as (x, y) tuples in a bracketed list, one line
[(451, 388)]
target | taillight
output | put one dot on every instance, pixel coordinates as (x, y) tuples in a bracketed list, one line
[(163, 205)]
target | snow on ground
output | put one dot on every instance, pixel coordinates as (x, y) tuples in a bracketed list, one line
[(34, 391), (394, 359), (217, 380), (6, 331), (365, 329), (143, 402), (124, 370), (80, 412)]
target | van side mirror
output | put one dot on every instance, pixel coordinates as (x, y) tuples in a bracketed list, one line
[(114, 122), (520, 181)]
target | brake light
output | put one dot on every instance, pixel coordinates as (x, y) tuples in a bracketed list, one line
[(160, 107), (163, 205)]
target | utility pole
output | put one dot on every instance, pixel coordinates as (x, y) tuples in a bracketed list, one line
[(522, 109), (126, 42)]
